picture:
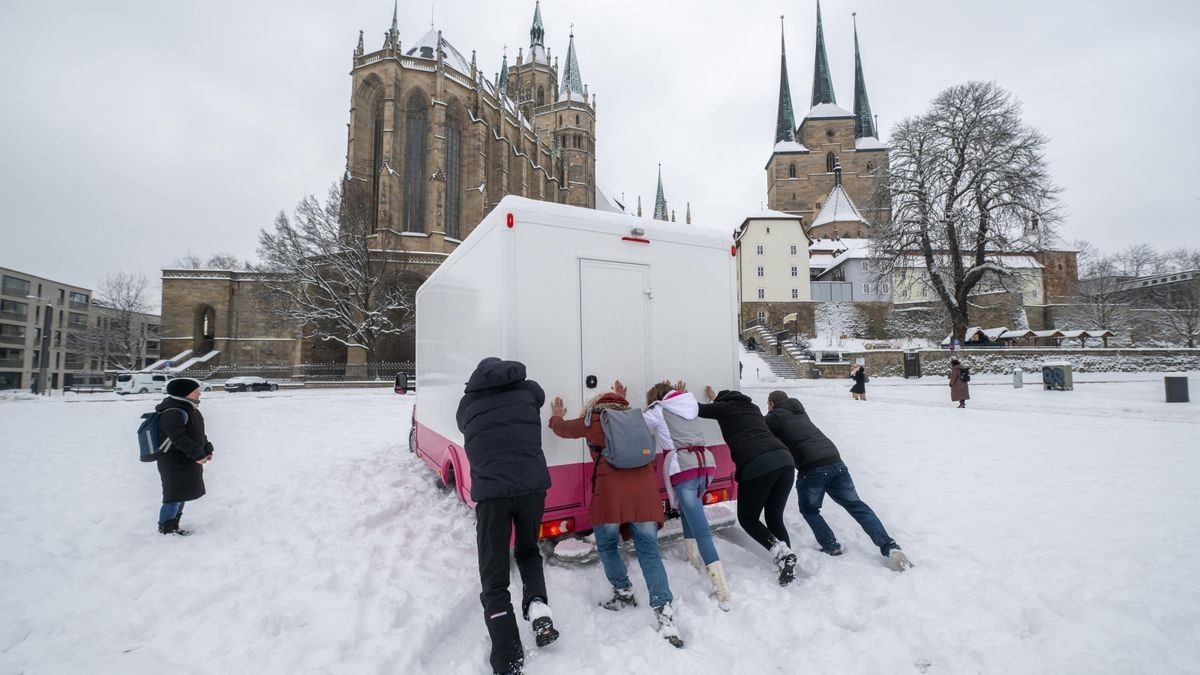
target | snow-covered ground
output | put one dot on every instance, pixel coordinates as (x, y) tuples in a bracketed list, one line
[(1053, 532)]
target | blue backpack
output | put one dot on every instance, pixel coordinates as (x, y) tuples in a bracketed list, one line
[(150, 442)]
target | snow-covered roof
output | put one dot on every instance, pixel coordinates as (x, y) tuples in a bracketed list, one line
[(827, 110), (426, 48), (1047, 333), (837, 209), (869, 143), (991, 334), (768, 214), (1094, 333), (1016, 334), (789, 146), (1014, 262), (840, 250), (821, 262)]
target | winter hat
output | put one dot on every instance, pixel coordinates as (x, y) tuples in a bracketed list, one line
[(182, 386)]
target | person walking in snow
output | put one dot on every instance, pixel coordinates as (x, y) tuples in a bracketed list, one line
[(960, 375), (820, 471), (763, 469), (499, 417), (688, 469), (858, 392), (181, 468), (619, 497)]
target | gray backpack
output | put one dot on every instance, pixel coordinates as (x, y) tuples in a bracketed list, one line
[(627, 442)]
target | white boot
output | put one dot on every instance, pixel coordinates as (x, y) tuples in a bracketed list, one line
[(900, 560), (716, 573), (785, 560), (693, 553)]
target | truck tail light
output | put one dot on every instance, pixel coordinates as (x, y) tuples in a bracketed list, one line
[(508, 220), (733, 250), (714, 496), (556, 528)]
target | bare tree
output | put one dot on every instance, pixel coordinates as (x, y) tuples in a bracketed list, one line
[(1140, 260), (837, 321), (118, 336), (334, 285), (1176, 311), (1103, 303), (216, 261), (967, 179)]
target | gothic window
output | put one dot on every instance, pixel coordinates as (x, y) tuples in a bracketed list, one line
[(830, 162), (376, 162), (870, 167), (541, 96), (416, 127), (792, 170), (577, 120), (454, 191)]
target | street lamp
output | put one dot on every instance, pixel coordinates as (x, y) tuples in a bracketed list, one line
[(44, 355)]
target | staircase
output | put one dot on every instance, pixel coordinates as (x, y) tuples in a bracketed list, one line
[(781, 366)]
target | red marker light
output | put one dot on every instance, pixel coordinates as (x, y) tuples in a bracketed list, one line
[(509, 221), (636, 239), (733, 250)]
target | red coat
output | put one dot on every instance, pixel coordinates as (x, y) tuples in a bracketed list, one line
[(621, 495)]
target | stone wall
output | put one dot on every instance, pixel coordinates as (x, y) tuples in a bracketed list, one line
[(936, 362)]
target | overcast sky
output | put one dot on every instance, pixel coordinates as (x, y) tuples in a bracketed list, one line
[(134, 132)]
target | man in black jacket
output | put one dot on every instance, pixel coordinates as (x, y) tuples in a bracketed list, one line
[(499, 416), (820, 471), (763, 471), (181, 467)]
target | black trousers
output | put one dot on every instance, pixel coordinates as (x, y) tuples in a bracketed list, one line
[(767, 492), (495, 521)]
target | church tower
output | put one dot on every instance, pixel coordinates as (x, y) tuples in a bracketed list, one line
[(801, 174), (573, 119), (533, 82)]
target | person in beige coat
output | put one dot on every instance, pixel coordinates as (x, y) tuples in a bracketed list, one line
[(959, 389)]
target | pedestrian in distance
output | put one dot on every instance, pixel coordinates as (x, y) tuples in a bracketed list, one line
[(500, 419), (181, 466), (858, 392), (960, 375), (763, 469), (619, 497), (689, 467), (820, 471)]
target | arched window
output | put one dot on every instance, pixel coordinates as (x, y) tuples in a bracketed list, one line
[(870, 167), (416, 129), (792, 170), (830, 162), (577, 120), (376, 161), (541, 96), (454, 191)]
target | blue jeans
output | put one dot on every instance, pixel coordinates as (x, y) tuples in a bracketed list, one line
[(834, 480), (695, 523), (170, 511), (645, 542)]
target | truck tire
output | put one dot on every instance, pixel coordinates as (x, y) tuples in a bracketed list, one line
[(448, 484), (412, 440)]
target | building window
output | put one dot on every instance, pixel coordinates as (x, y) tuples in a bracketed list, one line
[(904, 294), (870, 167), (78, 300), (376, 162), (768, 230), (16, 311), (885, 288), (795, 293), (762, 316), (793, 249), (541, 96), (760, 271), (830, 162), (454, 191), (795, 271), (76, 320), (792, 170), (15, 286), (867, 289), (924, 292), (816, 206), (761, 294), (758, 249), (416, 128), (865, 267)]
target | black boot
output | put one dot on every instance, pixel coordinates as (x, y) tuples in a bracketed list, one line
[(172, 527)]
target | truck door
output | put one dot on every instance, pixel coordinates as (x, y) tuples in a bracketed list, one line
[(615, 315)]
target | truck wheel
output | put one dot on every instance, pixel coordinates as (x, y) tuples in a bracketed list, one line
[(448, 484), (412, 440), (144, 390)]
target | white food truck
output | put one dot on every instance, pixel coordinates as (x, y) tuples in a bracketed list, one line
[(582, 298)]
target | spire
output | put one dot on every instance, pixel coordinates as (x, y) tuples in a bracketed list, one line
[(689, 213), (537, 33), (822, 89), (359, 50), (660, 201), (392, 37), (572, 82), (504, 72), (785, 120), (639, 206), (864, 121)]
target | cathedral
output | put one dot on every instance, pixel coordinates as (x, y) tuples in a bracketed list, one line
[(434, 145)]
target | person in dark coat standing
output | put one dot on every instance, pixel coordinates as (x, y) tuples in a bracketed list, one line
[(500, 419), (959, 389), (820, 471), (858, 392), (181, 467), (763, 469)]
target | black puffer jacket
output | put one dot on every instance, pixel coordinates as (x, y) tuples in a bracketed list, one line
[(751, 443), (809, 447), (502, 431), (182, 477)]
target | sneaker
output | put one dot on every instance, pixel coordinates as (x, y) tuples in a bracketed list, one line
[(622, 598), (543, 623), (836, 549), (666, 625), (899, 560), (785, 560)]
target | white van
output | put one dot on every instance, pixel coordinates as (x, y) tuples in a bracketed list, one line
[(582, 298), (141, 383)]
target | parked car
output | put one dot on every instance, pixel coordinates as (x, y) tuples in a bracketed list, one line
[(141, 383), (249, 383)]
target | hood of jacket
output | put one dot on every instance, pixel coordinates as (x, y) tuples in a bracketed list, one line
[(177, 402), (494, 373), (791, 405), (682, 403), (732, 396)]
